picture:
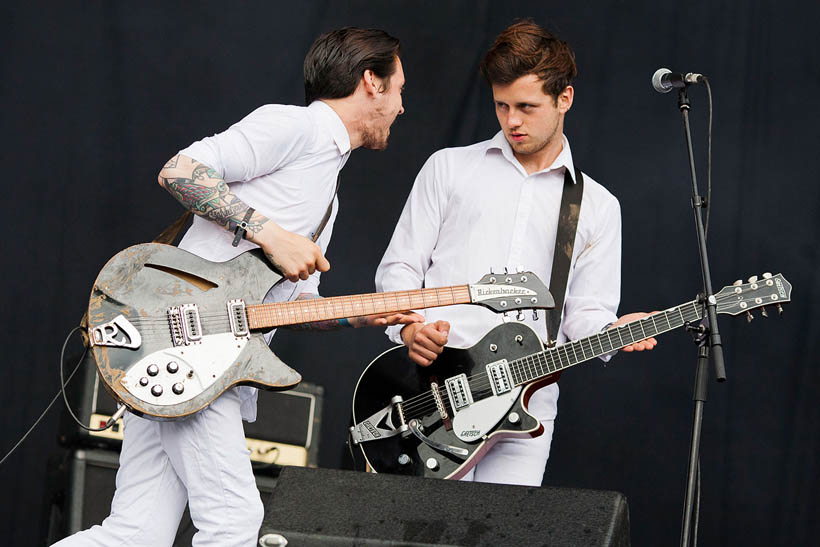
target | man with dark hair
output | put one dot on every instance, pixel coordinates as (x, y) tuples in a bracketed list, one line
[(273, 174), (496, 204)]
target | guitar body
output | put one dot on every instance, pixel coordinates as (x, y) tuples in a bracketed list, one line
[(138, 353), (479, 425)]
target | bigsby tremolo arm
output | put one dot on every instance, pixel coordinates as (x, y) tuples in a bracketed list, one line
[(370, 429)]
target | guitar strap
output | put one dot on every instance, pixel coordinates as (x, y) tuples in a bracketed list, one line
[(564, 245)]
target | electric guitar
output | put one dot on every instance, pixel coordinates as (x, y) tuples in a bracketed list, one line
[(170, 331), (439, 421)]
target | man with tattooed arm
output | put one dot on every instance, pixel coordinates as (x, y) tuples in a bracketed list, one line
[(273, 175)]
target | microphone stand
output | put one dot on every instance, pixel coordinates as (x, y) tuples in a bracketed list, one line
[(707, 339)]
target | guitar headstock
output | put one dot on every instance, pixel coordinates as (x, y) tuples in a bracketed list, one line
[(770, 290), (504, 292)]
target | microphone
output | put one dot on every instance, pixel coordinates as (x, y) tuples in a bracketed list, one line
[(664, 80)]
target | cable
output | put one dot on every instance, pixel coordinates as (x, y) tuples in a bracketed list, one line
[(62, 391), (708, 161)]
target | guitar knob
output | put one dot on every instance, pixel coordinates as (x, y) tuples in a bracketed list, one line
[(737, 283), (749, 317), (143, 381), (753, 279), (432, 464), (172, 367), (514, 418), (178, 388), (152, 370), (156, 390), (767, 275)]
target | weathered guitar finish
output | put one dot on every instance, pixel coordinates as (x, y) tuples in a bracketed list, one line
[(170, 331), (439, 421)]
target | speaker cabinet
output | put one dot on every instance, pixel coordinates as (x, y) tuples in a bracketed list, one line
[(330, 507)]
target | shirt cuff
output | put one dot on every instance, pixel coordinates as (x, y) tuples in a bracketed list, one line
[(393, 332)]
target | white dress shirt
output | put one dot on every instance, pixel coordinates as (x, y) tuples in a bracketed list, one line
[(474, 208), (283, 161)]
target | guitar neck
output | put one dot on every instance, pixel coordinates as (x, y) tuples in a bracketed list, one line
[(539, 365), (277, 314)]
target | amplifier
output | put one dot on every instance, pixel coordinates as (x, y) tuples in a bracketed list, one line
[(286, 430)]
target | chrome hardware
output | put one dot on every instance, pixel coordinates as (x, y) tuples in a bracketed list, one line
[(763, 312), (492, 279), (156, 390), (499, 376), (172, 367), (535, 315), (461, 453), (753, 279), (779, 309), (143, 381), (503, 303), (369, 429), (432, 464), (178, 388), (514, 418), (238, 317), (404, 459), (106, 334), (737, 283), (744, 305), (524, 278), (749, 317), (534, 300), (493, 348), (185, 325), (508, 280), (152, 370), (439, 401), (520, 315), (767, 275), (458, 390), (519, 339)]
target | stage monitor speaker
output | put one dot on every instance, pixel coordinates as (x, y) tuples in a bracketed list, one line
[(330, 507), (286, 430), (89, 489)]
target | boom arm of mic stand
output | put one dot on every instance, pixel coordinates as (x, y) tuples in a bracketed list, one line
[(715, 343)]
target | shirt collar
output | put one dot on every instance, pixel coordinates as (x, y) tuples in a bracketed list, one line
[(564, 159), (331, 121)]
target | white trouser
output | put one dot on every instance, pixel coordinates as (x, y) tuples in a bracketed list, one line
[(203, 460), (515, 461)]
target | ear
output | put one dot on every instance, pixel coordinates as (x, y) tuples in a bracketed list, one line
[(565, 99), (371, 83)]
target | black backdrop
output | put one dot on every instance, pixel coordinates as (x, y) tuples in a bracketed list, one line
[(97, 95)]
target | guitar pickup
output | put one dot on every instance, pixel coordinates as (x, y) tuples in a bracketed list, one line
[(499, 375), (458, 388), (185, 325), (238, 318)]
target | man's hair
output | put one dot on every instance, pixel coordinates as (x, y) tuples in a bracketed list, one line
[(336, 61), (525, 48)]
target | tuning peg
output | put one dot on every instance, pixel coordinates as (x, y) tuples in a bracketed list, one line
[(763, 312), (491, 270), (519, 268), (749, 317), (520, 315), (779, 309), (535, 315), (767, 275), (737, 283), (753, 279), (505, 270)]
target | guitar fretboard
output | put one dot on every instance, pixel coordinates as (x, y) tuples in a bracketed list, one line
[(277, 314), (538, 365)]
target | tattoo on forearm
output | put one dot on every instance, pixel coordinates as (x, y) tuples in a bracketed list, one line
[(330, 324), (207, 195)]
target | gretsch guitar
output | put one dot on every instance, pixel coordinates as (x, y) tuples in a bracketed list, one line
[(170, 331), (438, 421)]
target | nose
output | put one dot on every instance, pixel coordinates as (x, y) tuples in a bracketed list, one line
[(401, 109), (513, 119)]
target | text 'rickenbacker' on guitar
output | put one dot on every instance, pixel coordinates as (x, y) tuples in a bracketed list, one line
[(439, 421), (170, 331)]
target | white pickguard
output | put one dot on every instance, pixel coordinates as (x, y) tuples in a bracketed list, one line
[(200, 365), (473, 422)]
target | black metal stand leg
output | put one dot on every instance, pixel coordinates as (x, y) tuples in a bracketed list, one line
[(700, 391)]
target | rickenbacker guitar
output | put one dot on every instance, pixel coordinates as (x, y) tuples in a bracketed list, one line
[(170, 331), (439, 421)]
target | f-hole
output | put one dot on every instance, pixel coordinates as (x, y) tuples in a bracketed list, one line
[(202, 284)]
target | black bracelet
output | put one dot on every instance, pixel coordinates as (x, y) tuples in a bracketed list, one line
[(242, 227)]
